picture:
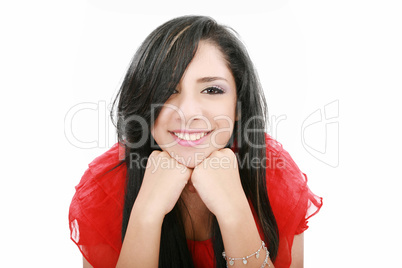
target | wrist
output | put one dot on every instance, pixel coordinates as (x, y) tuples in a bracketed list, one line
[(235, 215), (241, 239), (146, 215)]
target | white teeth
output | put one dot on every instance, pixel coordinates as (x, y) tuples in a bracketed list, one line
[(191, 137)]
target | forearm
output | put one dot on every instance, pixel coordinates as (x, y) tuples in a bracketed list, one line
[(241, 238), (142, 241)]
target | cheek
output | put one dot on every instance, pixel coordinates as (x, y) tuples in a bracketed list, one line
[(225, 126), (225, 116), (153, 132), (160, 130), (160, 121), (156, 129)]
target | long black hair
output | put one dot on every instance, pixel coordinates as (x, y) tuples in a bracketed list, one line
[(153, 74)]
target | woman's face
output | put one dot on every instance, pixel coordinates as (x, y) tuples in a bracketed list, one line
[(204, 103)]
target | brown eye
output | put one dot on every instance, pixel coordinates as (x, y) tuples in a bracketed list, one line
[(213, 90)]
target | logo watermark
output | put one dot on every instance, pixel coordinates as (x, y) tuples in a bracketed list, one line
[(270, 161), (322, 125)]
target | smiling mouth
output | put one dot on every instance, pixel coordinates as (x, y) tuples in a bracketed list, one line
[(192, 136)]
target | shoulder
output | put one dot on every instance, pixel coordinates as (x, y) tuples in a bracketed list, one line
[(290, 197), (104, 178), (95, 213), (105, 170)]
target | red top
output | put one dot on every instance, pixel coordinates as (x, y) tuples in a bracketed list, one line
[(96, 209)]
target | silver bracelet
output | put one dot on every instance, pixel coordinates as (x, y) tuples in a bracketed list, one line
[(257, 255)]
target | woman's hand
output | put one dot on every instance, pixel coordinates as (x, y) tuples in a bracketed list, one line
[(163, 183), (217, 181)]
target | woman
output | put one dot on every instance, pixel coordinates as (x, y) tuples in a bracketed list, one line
[(194, 181)]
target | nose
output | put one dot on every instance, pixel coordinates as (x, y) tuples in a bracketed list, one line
[(190, 112)]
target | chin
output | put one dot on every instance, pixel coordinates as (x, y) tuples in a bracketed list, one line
[(190, 165), (189, 162)]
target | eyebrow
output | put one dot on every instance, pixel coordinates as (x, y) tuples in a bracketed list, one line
[(210, 79)]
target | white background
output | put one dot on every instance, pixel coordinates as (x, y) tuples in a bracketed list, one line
[(57, 54)]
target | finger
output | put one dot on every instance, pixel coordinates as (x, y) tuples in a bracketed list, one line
[(164, 154), (155, 153)]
